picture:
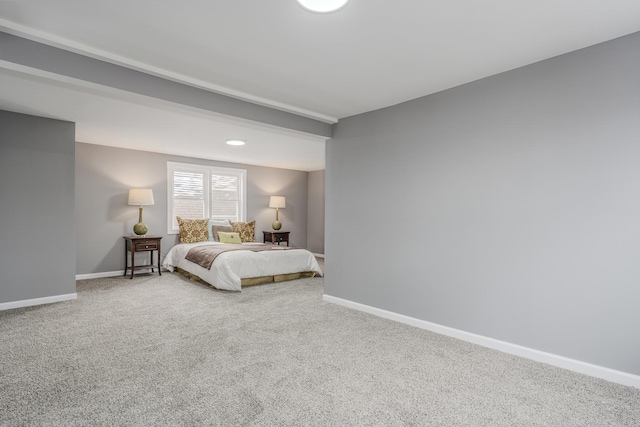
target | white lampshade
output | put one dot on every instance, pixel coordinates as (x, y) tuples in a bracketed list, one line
[(140, 196), (277, 202)]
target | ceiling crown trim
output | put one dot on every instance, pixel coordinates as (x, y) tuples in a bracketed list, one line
[(82, 49)]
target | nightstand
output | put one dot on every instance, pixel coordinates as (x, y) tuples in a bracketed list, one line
[(135, 244), (276, 237)]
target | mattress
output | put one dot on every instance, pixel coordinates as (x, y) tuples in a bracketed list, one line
[(230, 268)]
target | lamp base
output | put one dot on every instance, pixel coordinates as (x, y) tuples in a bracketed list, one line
[(140, 229), (277, 225)]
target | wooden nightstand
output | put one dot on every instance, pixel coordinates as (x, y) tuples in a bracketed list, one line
[(136, 244), (276, 237)]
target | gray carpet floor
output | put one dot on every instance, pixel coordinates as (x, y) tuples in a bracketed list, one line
[(166, 351)]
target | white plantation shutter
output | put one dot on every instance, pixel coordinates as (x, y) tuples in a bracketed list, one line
[(196, 191), (225, 197), (188, 196)]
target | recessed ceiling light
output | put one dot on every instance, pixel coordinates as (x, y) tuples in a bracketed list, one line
[(235, 142), (323, 6)]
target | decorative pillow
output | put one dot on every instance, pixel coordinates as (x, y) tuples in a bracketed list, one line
[(229, 237), (193, 230), (247, 230), (213, 222), (217, 229)]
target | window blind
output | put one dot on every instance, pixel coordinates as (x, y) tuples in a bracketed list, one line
[(197, 191)]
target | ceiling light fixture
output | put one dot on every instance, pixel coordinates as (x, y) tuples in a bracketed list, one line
[(322, 6), (235, 142)]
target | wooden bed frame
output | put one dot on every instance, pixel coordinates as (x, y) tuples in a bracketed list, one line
[(249, 281)]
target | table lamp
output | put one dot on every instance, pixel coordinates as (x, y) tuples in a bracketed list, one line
[(277, 202), (140, 197)]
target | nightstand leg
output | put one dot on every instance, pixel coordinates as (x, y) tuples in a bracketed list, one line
[(133, 259)]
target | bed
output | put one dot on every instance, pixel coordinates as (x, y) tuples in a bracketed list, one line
[(232, 270)]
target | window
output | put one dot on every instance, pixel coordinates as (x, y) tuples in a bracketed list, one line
[(197, 191)]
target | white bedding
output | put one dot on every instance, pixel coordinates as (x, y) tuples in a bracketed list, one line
[(230, 267)]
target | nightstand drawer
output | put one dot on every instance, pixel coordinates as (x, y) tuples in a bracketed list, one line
[(280, 238), (146, 246)]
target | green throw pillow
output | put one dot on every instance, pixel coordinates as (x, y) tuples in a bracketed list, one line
[(229, 237), (217, 223)]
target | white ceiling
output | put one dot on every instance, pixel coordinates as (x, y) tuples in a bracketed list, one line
[(369, 55)]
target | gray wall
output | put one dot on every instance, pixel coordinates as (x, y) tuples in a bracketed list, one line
[(104, 176), (508, 207), (37, 233), (315, 218)]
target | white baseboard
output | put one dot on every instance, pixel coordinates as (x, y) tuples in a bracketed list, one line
[(37, 301), (99, 275), (608, 374), (319, 255), (109, 274)]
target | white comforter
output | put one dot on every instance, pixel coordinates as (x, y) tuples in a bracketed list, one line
[(230, 267)]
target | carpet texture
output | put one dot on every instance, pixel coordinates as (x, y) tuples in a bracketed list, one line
[(166, 351)]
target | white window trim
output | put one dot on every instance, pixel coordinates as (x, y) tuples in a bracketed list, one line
[(207, 171)]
